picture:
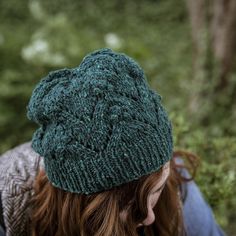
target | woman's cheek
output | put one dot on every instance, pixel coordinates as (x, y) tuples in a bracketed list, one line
[(154, 199)]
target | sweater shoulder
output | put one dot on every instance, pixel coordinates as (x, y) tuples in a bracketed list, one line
[(18, 169)]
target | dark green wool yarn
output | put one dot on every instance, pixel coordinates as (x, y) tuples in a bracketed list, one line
[(100, 125)]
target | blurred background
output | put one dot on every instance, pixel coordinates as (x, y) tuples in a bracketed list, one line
[(187, 49)]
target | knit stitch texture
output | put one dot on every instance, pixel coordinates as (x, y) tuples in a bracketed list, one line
[(100, 124)]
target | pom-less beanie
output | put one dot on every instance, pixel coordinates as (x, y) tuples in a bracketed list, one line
[(100, 124)]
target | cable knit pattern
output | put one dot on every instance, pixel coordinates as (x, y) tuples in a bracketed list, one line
[(100, 124)]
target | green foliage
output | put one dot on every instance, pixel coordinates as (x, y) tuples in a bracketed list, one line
[(39, 36), (216, 175)]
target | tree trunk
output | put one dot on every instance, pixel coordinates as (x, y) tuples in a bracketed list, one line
[(223, 30), (213, 27)]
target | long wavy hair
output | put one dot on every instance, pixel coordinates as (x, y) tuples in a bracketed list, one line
[(55, 212)]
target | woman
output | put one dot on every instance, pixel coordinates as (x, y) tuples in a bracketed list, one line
[(101, 161)]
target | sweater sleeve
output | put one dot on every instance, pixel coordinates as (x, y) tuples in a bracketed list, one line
[(18, 168), (16, 219), (198, 215)]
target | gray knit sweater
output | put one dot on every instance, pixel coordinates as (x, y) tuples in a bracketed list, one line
[(18, 168)]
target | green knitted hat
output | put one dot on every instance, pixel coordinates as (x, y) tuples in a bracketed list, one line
[(100, 124)]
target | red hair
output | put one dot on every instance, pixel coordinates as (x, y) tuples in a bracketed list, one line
[(55, 212)]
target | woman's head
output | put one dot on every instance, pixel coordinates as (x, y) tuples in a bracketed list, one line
[(101, 125), (118, 211), (106, 141)]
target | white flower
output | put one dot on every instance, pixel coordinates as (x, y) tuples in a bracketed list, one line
[(39, 52), (37, 47), (112, 40)]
